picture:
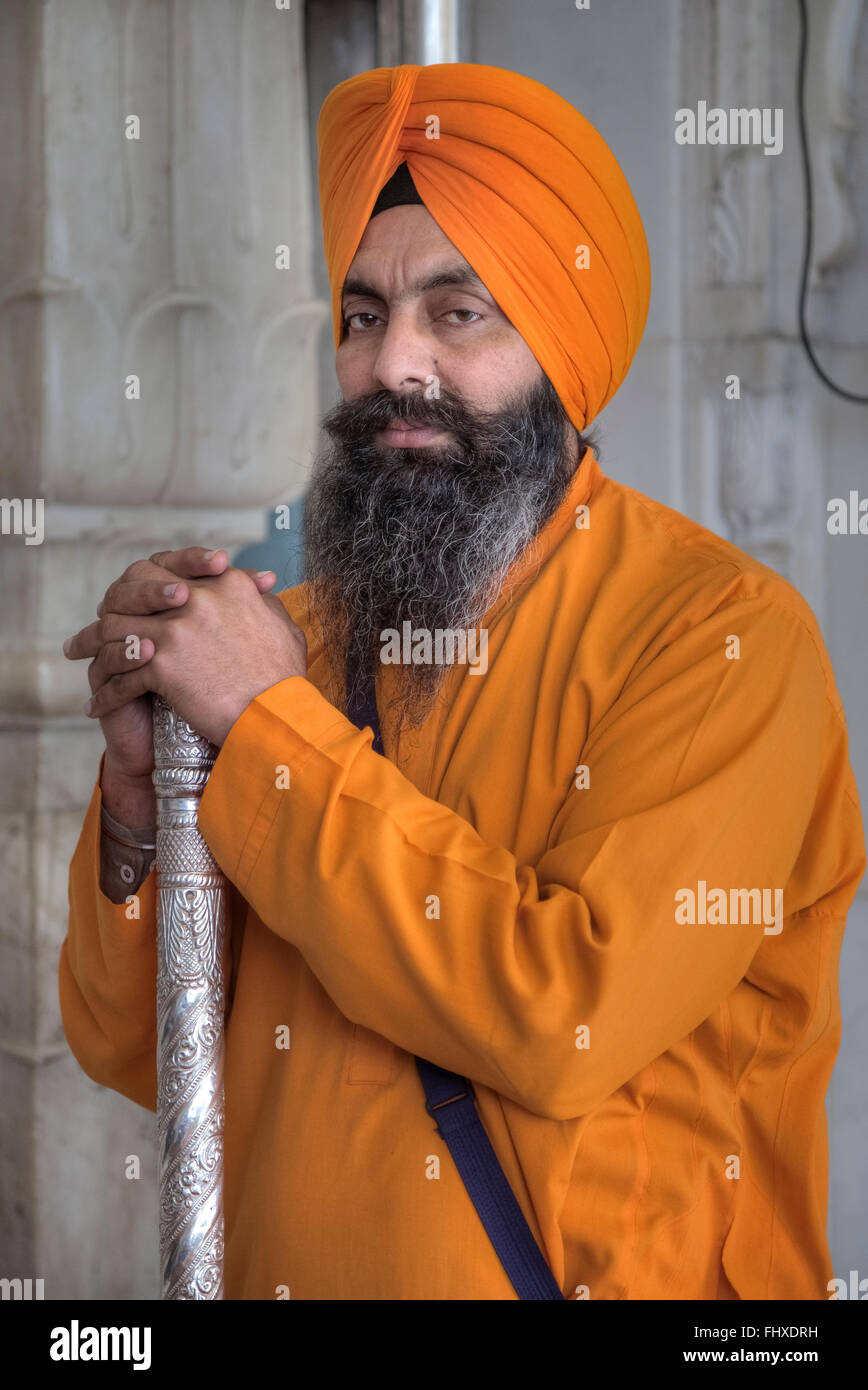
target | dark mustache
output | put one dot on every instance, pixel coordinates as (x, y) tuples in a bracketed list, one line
[(359, 418)]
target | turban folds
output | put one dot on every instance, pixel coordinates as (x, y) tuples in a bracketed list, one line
[(519, 181)]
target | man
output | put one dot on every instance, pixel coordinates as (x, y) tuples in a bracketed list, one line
[(603, 873)]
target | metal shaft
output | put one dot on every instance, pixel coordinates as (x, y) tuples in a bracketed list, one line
[(191, 932)]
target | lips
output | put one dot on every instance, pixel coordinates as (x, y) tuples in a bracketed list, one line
[(406, 433), (407, 425)]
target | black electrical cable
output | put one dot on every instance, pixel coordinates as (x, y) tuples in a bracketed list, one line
[(809, 217)]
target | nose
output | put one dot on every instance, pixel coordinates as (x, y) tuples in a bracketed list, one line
[(405, 357)]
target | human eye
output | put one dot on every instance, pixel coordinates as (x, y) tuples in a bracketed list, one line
[(362, 314), (465, 311)]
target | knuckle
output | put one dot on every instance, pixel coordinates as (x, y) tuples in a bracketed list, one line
[(190, 558), (98, 668), (113, 657), (168, 639), (207, 590), (115, 686), (111, 628), (102, 666)]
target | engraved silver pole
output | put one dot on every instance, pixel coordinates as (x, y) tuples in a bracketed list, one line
[(191, 932)]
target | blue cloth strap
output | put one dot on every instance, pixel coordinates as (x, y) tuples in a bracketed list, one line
[(450, 1103)]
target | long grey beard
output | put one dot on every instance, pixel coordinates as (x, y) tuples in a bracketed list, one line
[(424, 535)]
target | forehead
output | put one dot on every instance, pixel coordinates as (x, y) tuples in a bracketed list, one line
[(401, 244)]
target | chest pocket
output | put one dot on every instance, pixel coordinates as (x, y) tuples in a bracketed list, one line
[(372, 1058)]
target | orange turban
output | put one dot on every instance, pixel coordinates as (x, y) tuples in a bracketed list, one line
[(519, 181)]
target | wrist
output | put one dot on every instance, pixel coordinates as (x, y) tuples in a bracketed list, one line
[(130, 800)]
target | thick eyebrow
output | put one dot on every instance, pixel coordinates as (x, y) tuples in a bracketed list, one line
[(452, 275)]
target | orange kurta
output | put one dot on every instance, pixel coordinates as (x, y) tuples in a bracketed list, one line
[(557, 912)]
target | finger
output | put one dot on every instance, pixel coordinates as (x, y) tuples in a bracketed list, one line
[(86, 642), (149, 586), (143, 596), (113, 627), (166, 567), (193, 562), (146, 581), (116, 658), (118, 691), (263, 579)]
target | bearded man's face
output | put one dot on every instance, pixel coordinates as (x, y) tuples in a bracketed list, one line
[(425, 531)]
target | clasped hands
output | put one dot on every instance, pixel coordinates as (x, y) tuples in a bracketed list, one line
[(206, 637)]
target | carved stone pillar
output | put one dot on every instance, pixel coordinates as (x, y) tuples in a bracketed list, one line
[(158, 372), (759, 467), (754, 463)]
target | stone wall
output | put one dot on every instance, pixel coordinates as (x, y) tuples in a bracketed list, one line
[(159, 380)]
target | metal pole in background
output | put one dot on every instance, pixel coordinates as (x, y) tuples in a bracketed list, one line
[(424, 31), (191, 938)]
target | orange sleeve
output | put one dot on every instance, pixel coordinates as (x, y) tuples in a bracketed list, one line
[(108, 974), (704, 769)]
